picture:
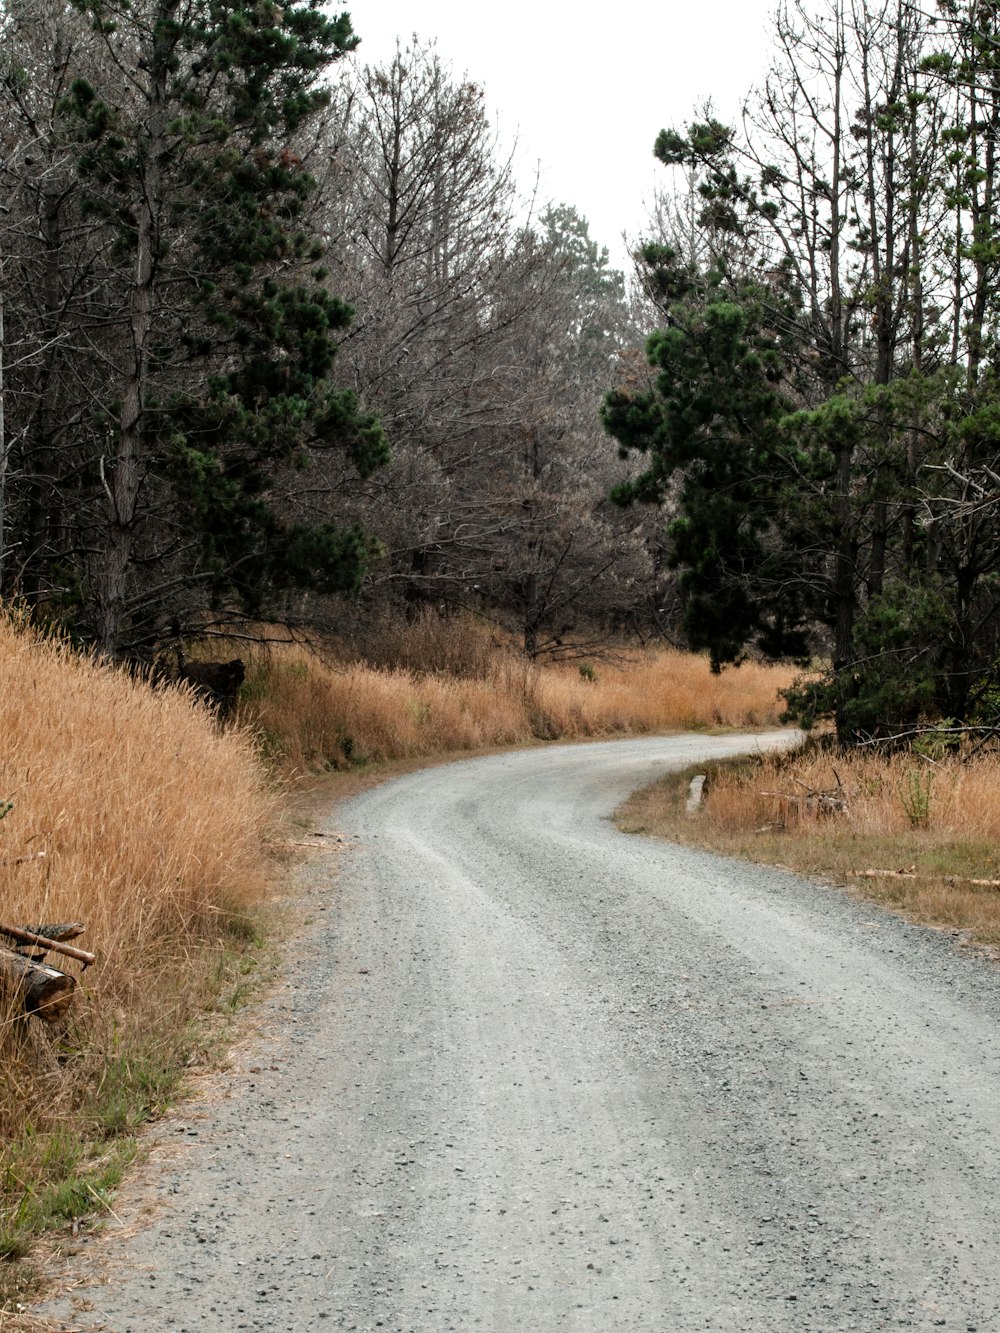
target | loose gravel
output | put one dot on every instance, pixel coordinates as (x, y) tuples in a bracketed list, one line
[(528, 1073)]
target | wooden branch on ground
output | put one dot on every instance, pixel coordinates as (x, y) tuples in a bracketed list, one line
[(832, 802), (924, 874), (51, 937), (43, 991)]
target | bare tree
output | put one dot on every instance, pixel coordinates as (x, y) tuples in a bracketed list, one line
[(472, 341)]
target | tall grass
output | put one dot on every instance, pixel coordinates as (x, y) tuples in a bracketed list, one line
[(323, 712), (133, 813)]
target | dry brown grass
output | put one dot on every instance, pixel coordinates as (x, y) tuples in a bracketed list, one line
[(938, 823), (150, 816), (463, 645), (152, 824), (658, 691), (316, 712)]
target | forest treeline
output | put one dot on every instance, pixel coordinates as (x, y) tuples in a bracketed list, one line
[(823, 405), (281, 340), (279, 330)]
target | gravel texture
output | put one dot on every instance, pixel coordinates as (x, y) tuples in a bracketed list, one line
[(533, 1074)]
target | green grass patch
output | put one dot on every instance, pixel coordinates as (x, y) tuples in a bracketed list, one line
[(51, 1181)]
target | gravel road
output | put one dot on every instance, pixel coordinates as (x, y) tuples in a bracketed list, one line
[(533, 1074)]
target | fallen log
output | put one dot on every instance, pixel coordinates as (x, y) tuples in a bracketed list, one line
[(43, 990), (924, 874), (51, 937)]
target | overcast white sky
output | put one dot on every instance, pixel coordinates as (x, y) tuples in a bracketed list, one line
[(587, 87)]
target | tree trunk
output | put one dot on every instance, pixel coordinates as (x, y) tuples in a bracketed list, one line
[(125, 483)]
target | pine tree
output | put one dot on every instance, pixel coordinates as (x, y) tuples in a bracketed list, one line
[(217, 329), (711, 419)]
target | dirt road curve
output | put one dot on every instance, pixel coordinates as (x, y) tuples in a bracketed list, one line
[(537, 1075)]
